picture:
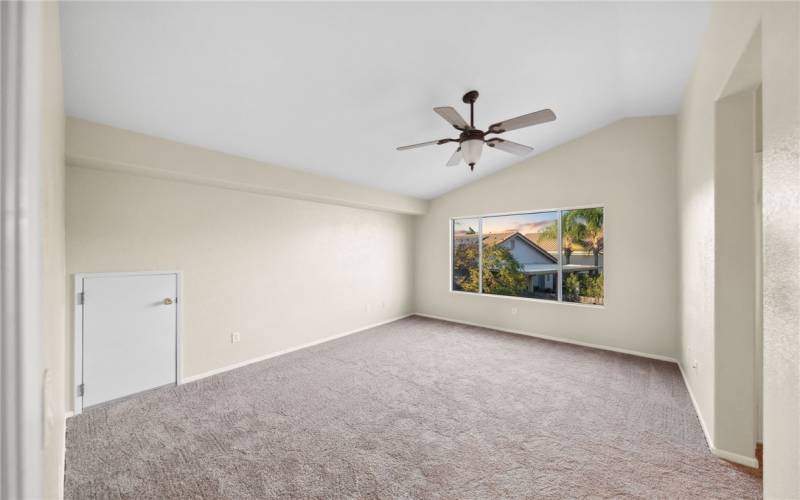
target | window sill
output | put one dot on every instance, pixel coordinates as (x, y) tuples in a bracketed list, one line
[(529, 299)]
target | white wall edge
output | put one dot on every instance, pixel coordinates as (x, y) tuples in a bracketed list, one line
[(723, 454), (703, 426), (63, 464), (240, 364), (555, 339)]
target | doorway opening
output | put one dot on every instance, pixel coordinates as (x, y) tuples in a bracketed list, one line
[(738, 269)]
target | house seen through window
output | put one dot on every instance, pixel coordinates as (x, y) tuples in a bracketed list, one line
[(555, 255)]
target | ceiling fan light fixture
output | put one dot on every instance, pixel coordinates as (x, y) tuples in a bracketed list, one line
[(471, 139), (472, 149)]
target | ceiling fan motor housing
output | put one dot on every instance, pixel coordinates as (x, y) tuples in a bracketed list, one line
[(471, 134)]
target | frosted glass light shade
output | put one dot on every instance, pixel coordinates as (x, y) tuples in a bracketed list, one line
[(472, 150)]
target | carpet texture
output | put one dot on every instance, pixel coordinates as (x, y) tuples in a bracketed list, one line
[(416, 408)]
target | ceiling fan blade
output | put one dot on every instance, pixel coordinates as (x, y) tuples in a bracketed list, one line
[(535, 118), (423, 144), (452, 116), (509, 147), (456, 158)]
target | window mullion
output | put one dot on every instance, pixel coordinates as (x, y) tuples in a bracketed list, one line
[(560, 288), (480, 255)]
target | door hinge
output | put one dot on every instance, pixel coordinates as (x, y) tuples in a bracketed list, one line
[(80, 390), (81, 297)]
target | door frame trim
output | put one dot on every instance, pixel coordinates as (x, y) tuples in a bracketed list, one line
[(77, 283)]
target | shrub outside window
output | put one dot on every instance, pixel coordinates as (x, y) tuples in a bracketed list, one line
[(466, 251)]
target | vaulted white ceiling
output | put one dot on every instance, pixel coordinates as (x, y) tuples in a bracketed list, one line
[(333, 88)]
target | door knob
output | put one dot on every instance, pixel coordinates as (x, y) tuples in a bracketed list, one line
[(167, 301)]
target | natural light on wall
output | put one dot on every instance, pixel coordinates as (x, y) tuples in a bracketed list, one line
[(555, 255)]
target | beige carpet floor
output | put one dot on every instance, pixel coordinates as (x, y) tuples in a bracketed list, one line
[(418, 408)]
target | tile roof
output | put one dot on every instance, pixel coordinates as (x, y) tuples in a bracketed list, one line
[(497, 238), (549, 245)]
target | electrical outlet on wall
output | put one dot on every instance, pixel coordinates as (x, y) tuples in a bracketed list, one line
[(235, 337), (694, 364), (514, 311)]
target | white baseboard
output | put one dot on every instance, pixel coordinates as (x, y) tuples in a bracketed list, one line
[(240, 364), (735, 457), (555, 339), (723, 454)]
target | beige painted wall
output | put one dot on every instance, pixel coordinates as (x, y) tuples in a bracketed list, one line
[(730, 29), (283, 272), (93, 145), (628, 166), (53, 260)]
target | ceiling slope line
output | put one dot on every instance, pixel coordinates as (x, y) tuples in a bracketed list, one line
[(79, 161)]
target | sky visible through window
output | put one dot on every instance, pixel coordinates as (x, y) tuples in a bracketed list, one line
[(523, 223), (465, 226)]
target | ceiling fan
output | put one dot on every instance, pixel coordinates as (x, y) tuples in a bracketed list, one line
[(471, 140)]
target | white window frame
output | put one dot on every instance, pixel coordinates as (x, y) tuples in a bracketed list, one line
[(559, 286)]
